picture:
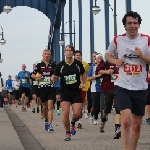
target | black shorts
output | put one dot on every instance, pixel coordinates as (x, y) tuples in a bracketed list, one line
[(25, 90), (16, 94), (47, 93), (36, 91), (148, 96), (130, 99), (72, 96)]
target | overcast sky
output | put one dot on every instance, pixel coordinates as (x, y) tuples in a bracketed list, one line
[(26, 32)]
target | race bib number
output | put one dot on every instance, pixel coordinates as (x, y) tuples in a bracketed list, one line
[(133, 69), (114, 77), (71, 79), (45, 81), (35, 83), (24, 80)]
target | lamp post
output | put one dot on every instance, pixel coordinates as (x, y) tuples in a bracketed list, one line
[(7, 8), (2, 41), (62, 42), (95, 11), (1, 60)]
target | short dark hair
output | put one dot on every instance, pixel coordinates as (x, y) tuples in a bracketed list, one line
[(131, 14), (94, 52), (78, 51), (70, 46)]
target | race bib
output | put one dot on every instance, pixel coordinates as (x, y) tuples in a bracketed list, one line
[(45, 81), (114, 77), (35, 83), (71, 79), (24, 80), (101, 79), (133, 69), (9, 90), (16, 88)]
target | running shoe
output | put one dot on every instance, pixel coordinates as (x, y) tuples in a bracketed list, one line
[(73, 130), (86, 116), (46, 126), (33, 110), (42, 116), (91, 120), (117, 133), (50, 127), (57, 112), (23, 109), (79, 126), (68, 137), (102, 125), (148, 121), (95, 122)]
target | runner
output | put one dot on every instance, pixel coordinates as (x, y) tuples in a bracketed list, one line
[(1, 87), (24, 77), (109, 76), (131, 87), (96, 92), (89, 99), (35, 93), (43, 73), (16, 92), (147, 108), (78, 56), (9, 89), (57, 86), (70, 71)]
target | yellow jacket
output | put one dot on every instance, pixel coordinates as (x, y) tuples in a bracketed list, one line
[(87, 83)]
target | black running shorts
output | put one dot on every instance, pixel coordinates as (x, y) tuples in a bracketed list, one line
[(72, 96)]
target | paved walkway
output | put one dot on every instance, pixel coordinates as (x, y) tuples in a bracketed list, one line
[(88, 138), (9, 139)]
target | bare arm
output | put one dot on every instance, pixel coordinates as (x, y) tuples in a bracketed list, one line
[(93, 78), (110, 58), (83, 78), (109, 71), (146, 59)]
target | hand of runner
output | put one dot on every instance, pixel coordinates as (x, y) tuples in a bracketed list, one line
[(98, 75), (138, 52), (110, 71), (81, 86), (119, 62), (26, 75), (58, 97), (38, 76)]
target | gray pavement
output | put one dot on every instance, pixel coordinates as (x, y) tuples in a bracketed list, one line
[(88, 138), (9, 139)]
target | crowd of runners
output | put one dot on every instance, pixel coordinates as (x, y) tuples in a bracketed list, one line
[(118, 80)]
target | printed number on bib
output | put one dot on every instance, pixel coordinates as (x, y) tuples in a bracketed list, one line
[(24, 80), (133, 69), (71, 79), (45, 81), (35, 82)]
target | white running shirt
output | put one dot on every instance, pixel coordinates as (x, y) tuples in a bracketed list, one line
[(132, 74)]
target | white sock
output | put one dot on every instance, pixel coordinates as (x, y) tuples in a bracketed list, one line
[(79, 121)]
